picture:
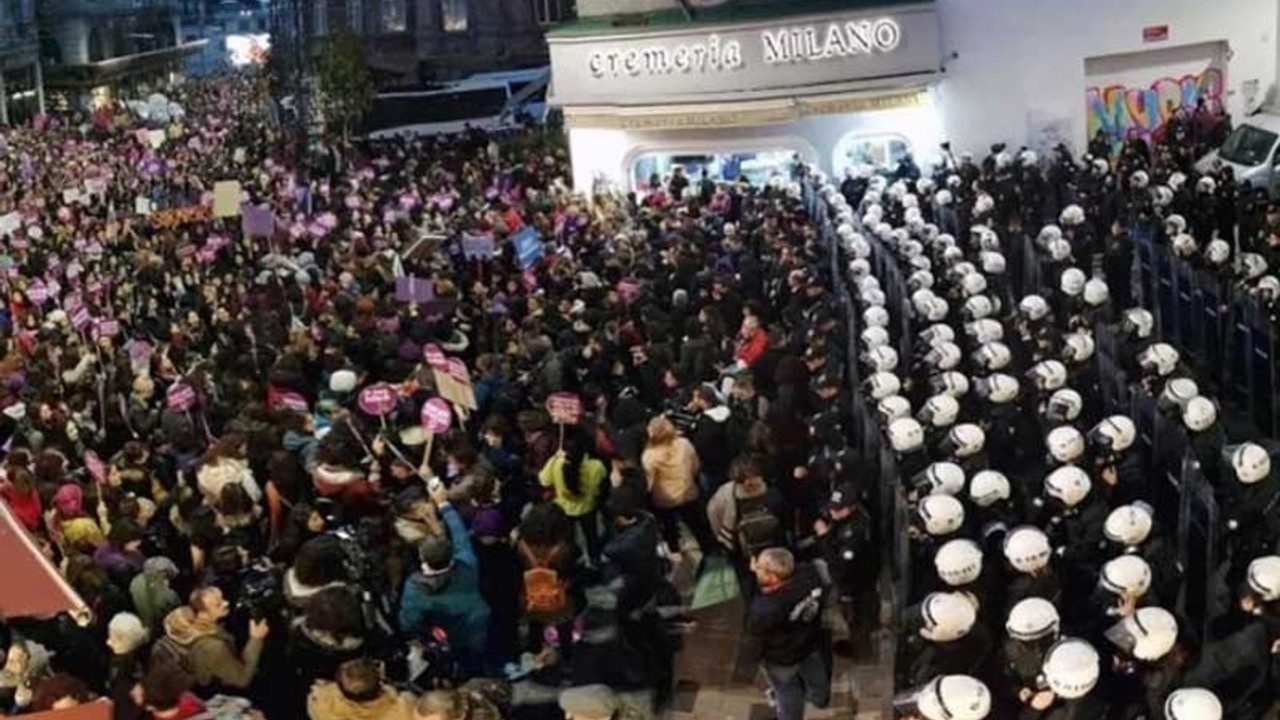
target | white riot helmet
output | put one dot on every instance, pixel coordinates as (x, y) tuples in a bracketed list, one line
[(1218, 252), (941, 514), (1254, 265), (1184, 245), (1071, 216), (1178, 392), (875, 317), (1138, 322), (943, 356), (999, 388), (1096, 292), (967, 440), (1071, 668), (1129, 525), (1032, 618), (1206, 185), (984, 331), (1115, 434), (1078, 347), (947, 616), (874, 337), (939, 411), (1027, 549), (1192, 704), (989, 487), (1059, 250), (944, 478), (1148, 634), (859, 268), (950, 383), (1064, 405), (1159, 359), (978, 307), (894, 407), (1174, 225), (936, 309), (1251, 463), (1200, 414), (993, 356), (1048, 234), (942, 198), (973, 284), (920, 280), (958, 562), (882, 359), (872, 297), (1033, 308), (954, 697), (905, 435), (882, 385), (1139, 180), (937, 333), (1127, 576), (1072, 281), (1162, 196), (868, 282), (1069, 484), (1065, 444), (993, 263), (1264, 577), (1048, 375), (1268, 287)]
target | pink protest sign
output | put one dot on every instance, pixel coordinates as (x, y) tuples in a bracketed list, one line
[(95, 467), (108, 328), (293, 401), (81, 319), (377, 400), (458, 370), (180, 397), (434, 357), (565, 408), (436, 416), (37, 293)]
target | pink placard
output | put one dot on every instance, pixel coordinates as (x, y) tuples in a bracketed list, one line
[(180, 397), (565, 408), (436, 416), (377, 400), (458, 370), (435, 357), (95, 467)]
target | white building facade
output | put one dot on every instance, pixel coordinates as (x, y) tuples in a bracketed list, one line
[(849, 82)]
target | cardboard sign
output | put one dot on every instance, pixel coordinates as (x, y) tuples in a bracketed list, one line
[(95, 186), (565, 408), (141, 206), (156, 139), (226, 199), (436, 416), (461, 391), (9, 222), (238, 156), (180, 397), (70, 197), (95, 467), (378, 400)]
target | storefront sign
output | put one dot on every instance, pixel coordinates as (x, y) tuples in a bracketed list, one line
[(801, 51), (806, 43)]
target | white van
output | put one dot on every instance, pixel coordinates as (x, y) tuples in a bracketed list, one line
[(1250, 150)]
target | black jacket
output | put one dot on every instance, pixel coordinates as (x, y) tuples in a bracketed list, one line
[(788, 620)]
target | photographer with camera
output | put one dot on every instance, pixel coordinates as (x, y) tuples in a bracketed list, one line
[(196, 640)]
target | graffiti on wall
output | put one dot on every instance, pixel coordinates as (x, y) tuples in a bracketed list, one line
[(1124, 112)]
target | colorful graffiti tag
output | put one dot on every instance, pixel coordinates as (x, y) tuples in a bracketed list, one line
[(1123, 112)]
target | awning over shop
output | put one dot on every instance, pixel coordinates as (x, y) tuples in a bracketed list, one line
[(744, 113), (89, 75)]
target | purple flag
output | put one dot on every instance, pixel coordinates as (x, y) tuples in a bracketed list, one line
[(256, 221)]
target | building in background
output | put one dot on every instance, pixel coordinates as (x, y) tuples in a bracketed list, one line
[(238, 34), (90, 50), (413, 42), (21, 82)]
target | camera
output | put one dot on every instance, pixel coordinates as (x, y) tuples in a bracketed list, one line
[(261, 592)]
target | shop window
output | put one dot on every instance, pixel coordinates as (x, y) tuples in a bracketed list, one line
[(355, 16), (549, 12), (395, 16), (453, 15), (878, 152), (321, 19)]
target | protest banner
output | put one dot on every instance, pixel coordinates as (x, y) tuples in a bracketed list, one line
[(528, 246), (166, 219), (226, 198), (410, 289), (479, 246), (180, 397)]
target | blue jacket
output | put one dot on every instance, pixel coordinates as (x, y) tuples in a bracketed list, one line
[(453, 603)]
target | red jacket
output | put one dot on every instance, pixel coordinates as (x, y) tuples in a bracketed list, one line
[(750, 349), (24, 507)]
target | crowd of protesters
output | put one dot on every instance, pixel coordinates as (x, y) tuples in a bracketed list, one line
[(1044, 578), (188, 435)]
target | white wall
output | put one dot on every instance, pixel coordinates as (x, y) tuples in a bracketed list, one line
[(1020, 64)]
